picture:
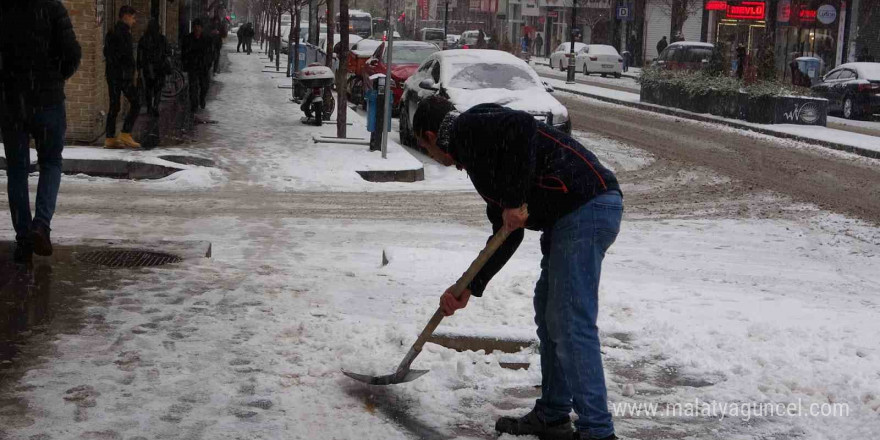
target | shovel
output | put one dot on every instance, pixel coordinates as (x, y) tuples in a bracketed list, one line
[(403, 373)]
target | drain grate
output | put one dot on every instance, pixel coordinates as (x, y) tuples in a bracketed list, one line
[(118, 258)]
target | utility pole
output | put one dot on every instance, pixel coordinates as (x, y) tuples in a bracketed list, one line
[(389, 98), (570, 76), (446, 26), (342, 72)]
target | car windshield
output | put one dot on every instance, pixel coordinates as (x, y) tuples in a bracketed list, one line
[(411, 54), (433, 35), (491, 76)]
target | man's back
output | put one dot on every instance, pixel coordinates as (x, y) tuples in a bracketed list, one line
[(38, 50)]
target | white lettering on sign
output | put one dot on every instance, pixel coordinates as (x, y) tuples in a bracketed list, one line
[(826, 14)]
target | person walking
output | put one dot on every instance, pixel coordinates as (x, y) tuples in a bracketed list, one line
[(533, 176), (249, 37), (121, 73), (216, 44), (197, 59), (539, 45), (661, 45), (152, 63), (38, 53)]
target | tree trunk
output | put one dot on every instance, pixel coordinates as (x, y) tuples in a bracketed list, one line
[(331, 17), (277, 42), (342, 72)]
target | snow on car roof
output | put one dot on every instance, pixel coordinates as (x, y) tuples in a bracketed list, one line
[(869, 71), (461, 57), (692, 43), (602, 49), (358, 13)]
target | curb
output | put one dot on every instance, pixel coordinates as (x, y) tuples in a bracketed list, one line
[(702, 118), (626, 74)]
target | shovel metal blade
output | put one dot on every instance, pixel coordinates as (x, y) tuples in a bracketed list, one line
[(390, 379)]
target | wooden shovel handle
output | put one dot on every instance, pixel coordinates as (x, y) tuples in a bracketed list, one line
[(494, 243)]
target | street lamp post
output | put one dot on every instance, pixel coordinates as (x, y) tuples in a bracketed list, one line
[(446, 25), (570, 76)]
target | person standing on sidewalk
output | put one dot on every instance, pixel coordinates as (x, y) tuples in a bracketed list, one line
[(152, 63), (216, 43), (516, 162), (38, 53), (197, 59), (539, 45), (121, 72)]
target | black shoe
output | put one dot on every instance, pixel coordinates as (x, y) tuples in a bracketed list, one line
[(531, 424), (40, 239), (23, 253)]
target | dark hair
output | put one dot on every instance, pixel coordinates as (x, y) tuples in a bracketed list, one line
[(126, 10), (197, 22), (430, 113)]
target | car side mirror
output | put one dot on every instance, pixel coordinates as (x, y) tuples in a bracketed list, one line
[(428, 84), (548, 87), (374, 62)]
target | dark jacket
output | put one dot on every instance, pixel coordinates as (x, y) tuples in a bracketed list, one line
[(513, 159), (196, 53), (152, 54), (38, 51), (119, 54), (661, 45)]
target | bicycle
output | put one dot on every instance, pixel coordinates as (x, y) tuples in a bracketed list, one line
[(175, 80)]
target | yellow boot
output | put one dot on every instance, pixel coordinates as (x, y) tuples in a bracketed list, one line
[(112, 143), (127, 142)]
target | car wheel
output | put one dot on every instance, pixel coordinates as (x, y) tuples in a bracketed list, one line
[(586, 72), (604, 75), (406, 136), (849, 109), (618, 75)]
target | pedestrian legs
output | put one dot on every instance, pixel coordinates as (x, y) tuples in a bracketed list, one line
[(566, 308), (194, 90), (153, 93), (47, 126), (204, 82), (131, 94)]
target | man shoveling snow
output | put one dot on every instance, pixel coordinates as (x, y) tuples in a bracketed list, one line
[(576, 202)]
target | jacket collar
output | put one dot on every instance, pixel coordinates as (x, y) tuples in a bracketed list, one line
[(121, 26)]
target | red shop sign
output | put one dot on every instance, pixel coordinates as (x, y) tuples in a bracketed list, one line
[(807, 15), (716, 5), (553, 14), (746, 11)]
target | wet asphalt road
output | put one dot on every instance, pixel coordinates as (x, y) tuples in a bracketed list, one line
[(839, 182)]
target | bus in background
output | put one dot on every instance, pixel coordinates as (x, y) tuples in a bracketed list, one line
[(360, 23)]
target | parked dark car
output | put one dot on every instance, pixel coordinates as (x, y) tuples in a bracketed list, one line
[(852, 89), (404, 61), (685, 55)]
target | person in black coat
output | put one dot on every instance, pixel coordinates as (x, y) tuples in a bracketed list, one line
[(152, 59), (38, 53), (197, 55), (121, 73), (249, 37), (661, 45), (533, 176)]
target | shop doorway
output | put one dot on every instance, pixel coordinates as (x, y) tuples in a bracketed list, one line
[(734, 33)]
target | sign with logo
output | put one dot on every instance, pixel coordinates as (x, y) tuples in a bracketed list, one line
[(625, 12), (783, 11), (746, 10), (553, 14), (716, 5), (826, 14), (530, 8)]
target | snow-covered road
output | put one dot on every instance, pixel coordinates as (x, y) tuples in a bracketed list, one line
[(707, 298)]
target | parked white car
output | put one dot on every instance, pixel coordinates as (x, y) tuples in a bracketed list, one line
[(599, 58), (479, 76), (559, 57)]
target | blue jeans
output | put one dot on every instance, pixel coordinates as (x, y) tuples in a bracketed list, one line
[(566, 308), (47, 125)]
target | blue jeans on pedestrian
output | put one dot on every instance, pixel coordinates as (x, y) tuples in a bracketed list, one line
[(47, 125), (566, 308)]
